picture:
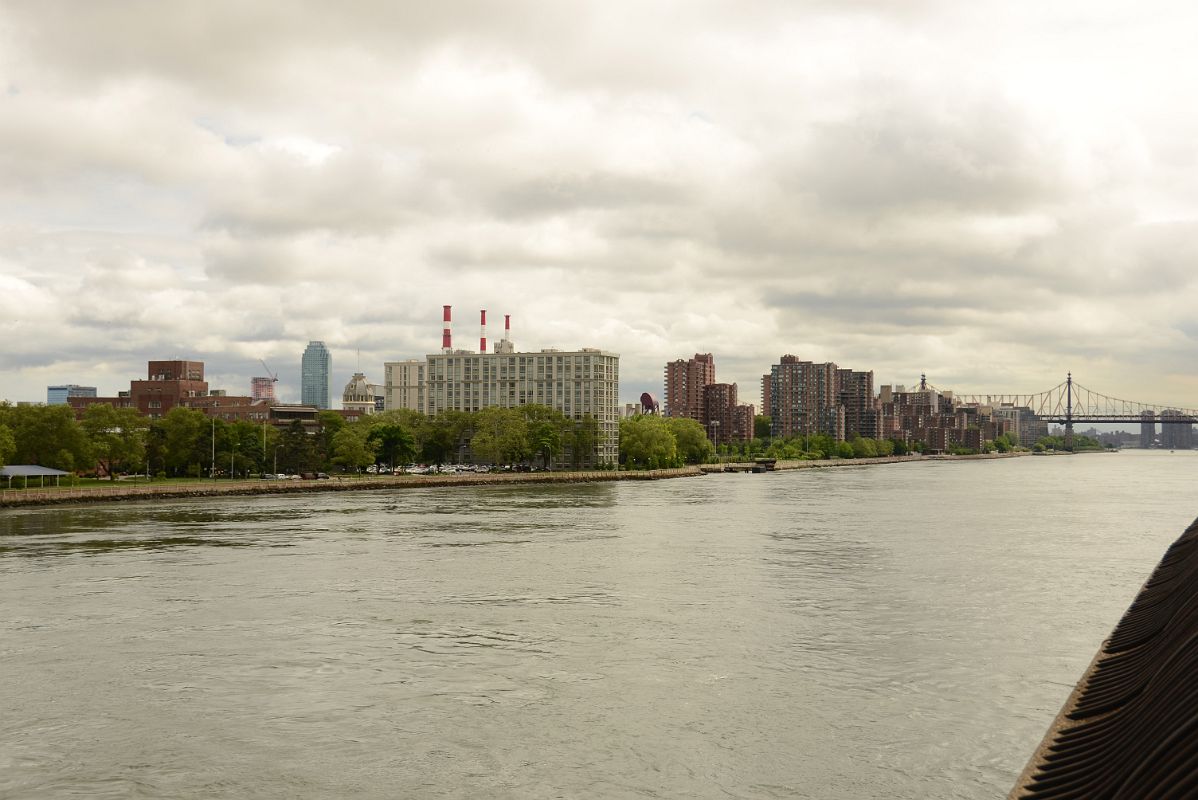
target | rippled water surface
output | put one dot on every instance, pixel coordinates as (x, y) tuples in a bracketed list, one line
[(864, 632)]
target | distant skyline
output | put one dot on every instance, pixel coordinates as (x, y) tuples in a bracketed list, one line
[(991, 193)]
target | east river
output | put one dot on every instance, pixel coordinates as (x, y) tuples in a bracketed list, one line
[(868, 632)]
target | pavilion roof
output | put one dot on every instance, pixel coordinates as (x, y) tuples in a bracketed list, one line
[(29, 471)]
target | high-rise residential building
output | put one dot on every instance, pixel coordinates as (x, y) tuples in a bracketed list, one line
[(57, 395), (724, 419), (315, 368), (1022, 424), (1147, 429), (1177, 430), (403, 384), (576, 383), (855, 392), (804, 399), (685, 380)]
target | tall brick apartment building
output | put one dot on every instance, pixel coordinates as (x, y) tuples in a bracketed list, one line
[(691, 392), (685, 380)]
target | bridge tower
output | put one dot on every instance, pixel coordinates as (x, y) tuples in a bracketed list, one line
[(1069, 412)]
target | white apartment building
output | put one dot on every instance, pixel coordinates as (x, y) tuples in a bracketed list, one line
[(577, 382), (403, 384)]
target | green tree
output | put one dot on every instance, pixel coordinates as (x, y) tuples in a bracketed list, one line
[(393, 444), (297, 450), (184, 442), (821, 445), (397, 416), (583, 438), (691, 440), (500, 436), (864, 448), (441, 436), (8, 445), (329, 423), (242, 448), (117, 437), (761, 427), (647, 443), (47, 436), (545, 428), (351, 448)]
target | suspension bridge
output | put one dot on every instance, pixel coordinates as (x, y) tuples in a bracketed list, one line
[(1070, 403)]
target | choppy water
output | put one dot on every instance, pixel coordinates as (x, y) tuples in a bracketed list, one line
[(865, 632)]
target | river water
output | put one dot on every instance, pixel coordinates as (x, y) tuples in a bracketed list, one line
[(865, 632)]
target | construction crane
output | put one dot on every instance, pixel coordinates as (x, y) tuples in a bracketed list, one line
[(269, 374)]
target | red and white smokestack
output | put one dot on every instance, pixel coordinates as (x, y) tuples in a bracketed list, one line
[(447, 331), (507, 327), (482, 331)]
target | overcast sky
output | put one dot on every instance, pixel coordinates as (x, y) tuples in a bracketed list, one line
[(989, 192)]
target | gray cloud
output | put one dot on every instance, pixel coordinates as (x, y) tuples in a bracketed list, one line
[(992, 193)]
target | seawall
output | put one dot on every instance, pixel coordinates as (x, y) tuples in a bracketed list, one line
[(829, 463), (117, 493)]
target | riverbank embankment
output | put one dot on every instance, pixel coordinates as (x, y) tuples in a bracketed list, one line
[(117, 493), (826, 463)]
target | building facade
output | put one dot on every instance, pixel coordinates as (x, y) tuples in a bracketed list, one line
[(315, 369), (58, 395), (1177, 430), (403, 384), (1147, 429), (804, 399), (684, 382), (361, 396), (263, 389), (576, 383), (855, 393), (167, 384), (725, 420)]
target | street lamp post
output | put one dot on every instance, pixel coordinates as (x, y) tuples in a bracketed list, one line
[(212, 473), (232, 453)]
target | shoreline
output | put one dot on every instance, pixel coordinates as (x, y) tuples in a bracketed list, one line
[(25, 498), (827, 463)]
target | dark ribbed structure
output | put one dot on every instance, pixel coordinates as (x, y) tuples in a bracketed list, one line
[(1130, 728)]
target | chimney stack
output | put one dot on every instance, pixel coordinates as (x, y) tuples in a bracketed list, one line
[(507, 327), (447, 332), (482, 332)]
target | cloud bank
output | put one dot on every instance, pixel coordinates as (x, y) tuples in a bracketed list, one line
[(992, 193)]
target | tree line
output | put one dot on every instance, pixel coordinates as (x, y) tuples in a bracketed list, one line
[(188, 443)]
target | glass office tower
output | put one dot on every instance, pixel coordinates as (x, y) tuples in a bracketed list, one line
[(315, 368)]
